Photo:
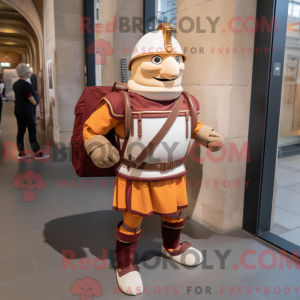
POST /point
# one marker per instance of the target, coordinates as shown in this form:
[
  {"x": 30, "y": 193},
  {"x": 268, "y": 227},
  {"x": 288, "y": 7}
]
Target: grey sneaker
[{"x": 40, "y": 155}]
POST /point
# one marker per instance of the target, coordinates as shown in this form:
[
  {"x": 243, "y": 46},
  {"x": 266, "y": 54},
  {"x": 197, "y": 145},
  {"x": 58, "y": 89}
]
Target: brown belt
[{"x": 164, "y": 166}]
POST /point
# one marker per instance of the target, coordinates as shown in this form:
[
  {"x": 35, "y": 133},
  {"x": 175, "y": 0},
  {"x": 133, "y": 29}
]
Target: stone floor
[
  {"x": 75, "y": 220},
  {"x": 286, "y": 221}
]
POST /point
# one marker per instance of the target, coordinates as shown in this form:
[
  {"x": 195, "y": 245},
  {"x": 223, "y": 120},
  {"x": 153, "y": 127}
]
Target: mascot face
[
  {"x": 157, "y": 74},
  {"x": 163, "y": 71}
]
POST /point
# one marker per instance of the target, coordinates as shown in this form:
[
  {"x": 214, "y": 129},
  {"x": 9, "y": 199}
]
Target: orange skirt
[{"x": 147, "y": 198}]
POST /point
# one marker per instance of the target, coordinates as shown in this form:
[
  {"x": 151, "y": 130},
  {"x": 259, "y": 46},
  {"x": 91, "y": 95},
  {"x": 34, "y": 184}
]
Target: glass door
[
  {"x": 272, "y": 201},
  {"x": 285, "y": 219}
]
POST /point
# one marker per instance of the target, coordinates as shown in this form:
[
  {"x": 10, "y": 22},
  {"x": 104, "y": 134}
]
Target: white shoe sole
[
  {"x": 191, "y": 257},
  {"x": 130, "y": 283},
  {"x": 41, "y": 158},
  {"x": 27, "y": 156}
]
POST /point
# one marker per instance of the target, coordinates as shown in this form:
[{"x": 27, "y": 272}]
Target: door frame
[
  {"x": 89, "y": 38},
  {"x": 264, "y": 122}
]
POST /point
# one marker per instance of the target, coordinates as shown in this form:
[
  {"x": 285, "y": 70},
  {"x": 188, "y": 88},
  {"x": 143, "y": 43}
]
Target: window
[
  {"x": 5, "y": 64},
  {"x": 294, "y": 9},
  {"x": 166, "y": 12}
]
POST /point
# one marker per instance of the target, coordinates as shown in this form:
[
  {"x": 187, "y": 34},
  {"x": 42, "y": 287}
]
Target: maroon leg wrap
[
  {"x": 126, "y": 247},
  {"x": 171, "y": 233}
]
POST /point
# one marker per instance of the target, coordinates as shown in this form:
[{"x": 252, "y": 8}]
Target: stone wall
[
  {"x": 219, "y": 75},
  {"x": 64, "y": 44},
  {"x": 50, "y": 101}
]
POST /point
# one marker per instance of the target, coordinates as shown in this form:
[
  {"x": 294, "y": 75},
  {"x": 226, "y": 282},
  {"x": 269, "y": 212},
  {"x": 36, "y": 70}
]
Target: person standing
[
  {"x": 2, "y": 89},
  {"x": 24, "y": 111}
]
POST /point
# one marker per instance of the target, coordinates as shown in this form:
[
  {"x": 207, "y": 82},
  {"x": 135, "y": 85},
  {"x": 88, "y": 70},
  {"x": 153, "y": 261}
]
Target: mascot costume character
[{"x": 150, "y": 165}]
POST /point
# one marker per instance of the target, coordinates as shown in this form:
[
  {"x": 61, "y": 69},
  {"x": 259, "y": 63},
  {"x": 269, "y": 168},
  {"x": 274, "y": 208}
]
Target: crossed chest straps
[{"x": 128, "y": 127}]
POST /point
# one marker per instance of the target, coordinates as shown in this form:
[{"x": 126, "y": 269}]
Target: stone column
[
  {"x": 218, "y": 73},
  {"x": 64, "y": 44}
]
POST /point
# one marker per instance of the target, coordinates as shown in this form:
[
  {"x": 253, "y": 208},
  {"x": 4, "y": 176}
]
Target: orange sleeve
[
  {"x": 99, "y": 123},
  {"x": 198, "y": 127}
]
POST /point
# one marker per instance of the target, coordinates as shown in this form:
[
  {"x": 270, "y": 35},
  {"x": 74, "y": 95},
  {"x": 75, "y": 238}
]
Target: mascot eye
[
  {"x": 82, "y": 288},
  {"x": 33, "y": 181},
  {"x": 103, "y": 49},
  {"x": 90, "y": 288},
  {"x": 177, "y": 58},
  {"x": 157, "y": 60},
  {"x": 25, "y": 181}
]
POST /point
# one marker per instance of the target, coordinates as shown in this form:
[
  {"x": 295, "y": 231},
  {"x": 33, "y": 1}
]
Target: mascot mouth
[{"x": 164, "y": 79}]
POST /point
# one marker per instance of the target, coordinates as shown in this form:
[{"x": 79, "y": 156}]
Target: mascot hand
[
  {"x": 210, "y": 138},
  {"x": 101, "y": 151}
]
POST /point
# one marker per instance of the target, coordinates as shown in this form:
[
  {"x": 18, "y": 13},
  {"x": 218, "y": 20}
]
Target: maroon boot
[
  {"x": 128, "y": 273},
  {"x": 182, "y": 253}
]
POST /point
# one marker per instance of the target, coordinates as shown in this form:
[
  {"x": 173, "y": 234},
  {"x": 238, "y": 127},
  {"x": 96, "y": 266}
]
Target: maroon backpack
[{"x": 85, "y": 107}]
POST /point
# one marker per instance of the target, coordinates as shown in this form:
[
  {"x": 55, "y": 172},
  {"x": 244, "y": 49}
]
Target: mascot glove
[
  {"x": 210, "y": 138},
  {"x": 101, "y": 151}
]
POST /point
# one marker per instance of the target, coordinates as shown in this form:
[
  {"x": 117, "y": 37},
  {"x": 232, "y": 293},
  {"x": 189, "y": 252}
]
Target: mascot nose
[{"x": 170, "y": 68}]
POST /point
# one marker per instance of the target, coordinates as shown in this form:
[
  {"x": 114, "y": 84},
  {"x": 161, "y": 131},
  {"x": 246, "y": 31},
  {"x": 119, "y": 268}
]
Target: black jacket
[{"x": 33, "y": 80}]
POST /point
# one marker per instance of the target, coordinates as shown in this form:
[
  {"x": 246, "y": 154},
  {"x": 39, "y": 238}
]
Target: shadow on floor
[{"x": 96, "y": 231}]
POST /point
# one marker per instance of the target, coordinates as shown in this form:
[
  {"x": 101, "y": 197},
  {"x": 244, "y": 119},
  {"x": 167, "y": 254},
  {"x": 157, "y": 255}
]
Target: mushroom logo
[
  {"x": 100, "y": 48},
  {"x": 86, "y": 288},
  {"x": 29, "y": 182}
]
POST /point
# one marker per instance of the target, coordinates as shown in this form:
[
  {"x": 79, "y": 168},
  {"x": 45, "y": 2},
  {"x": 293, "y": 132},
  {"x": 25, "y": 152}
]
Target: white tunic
[{"x": 173, "y": 146}]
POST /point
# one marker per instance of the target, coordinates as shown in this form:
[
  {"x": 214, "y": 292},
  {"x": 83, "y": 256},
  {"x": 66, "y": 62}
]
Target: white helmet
[{"x": 158, "y": 42}]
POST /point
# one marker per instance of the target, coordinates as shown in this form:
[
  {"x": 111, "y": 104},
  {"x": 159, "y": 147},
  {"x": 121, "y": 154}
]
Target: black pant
[
  {"x": 0, "y": 107},
  {"x": 26, "y": 119}
]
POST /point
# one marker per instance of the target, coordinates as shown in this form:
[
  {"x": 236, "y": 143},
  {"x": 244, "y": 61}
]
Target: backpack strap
[
  {"x": 193, "y": 112},
  {"x": 127, "y": 114},
  {"x": 118, "y": 86},
  {"x": 122, "y": 88}
]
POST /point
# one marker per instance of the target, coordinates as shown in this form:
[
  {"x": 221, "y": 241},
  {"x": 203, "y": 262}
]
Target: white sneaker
[
  {"x": 130, "y": 283},
  {"x": 186, "y": 255},
  {"x": 0, "y": 131},
  {"x": 23, "y": 154}
]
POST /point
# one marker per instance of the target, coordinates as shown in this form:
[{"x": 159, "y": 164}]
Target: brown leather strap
[
  {"x": 139, "y": 125},
  {"x": 118, "y": 86},
  {"x": 164, "y": 166},
  {"x": 122, "y": 88},
  {"x": 193, "y": 112},
  {"x": 128, "y": 269},
  {"x": 122, "y": 151},
  {"x": 130, "y": 229},
  {"x": 178, "y": 251},
  {"x": 179, "y": 216},
  {"x": 127, "y": 115},
  {"x": 182, "y": 214},
  {"x": 162, "y": 132},
  {"x": 187, "y": 118}
]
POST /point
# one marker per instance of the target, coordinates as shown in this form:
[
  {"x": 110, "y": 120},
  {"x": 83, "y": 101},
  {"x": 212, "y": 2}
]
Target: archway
[{"x": 23, "y": 16}]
